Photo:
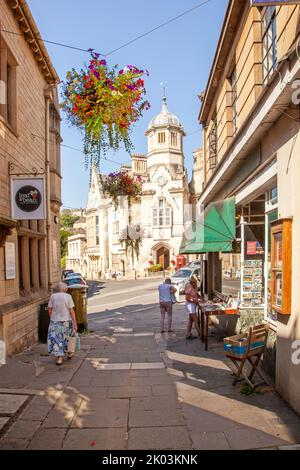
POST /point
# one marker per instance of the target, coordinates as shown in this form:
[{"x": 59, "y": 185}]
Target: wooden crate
[{"x": 236, "y": 346}]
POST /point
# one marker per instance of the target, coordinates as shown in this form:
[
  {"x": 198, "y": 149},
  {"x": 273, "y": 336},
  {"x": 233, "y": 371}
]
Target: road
[{"x": 231, "y": 286}]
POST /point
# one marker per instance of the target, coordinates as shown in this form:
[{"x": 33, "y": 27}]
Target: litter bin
[
  {"x": 79, "y": 296},
  {"x": 44, "y": 321}
]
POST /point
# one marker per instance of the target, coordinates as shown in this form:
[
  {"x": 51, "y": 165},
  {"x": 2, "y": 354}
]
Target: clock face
[{"x": 161, "y": 179}]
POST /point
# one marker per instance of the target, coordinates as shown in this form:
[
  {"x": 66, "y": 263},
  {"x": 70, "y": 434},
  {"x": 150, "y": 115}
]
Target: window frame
[
  {"x": 8, "y": 79},
  {"x": 234, "y": 97},
  {"x": 161, "y": 137},
  {"x": 269, "y": 46},
  {"x": 213, "y": 145},
  {"x": 284, "y": 228},
  {"x": 162, "y": 215}
]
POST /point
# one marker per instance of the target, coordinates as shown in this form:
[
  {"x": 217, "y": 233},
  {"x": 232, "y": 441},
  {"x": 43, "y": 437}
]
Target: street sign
[{"x": 28, "y": 198}]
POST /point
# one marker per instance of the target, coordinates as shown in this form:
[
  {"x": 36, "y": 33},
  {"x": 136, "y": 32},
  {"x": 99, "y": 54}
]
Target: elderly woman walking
[{"x": 62, "y": 323}]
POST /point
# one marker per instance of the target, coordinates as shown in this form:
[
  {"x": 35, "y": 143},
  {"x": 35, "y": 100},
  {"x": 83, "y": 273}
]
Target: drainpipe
[{"x": 47, "y": 95}]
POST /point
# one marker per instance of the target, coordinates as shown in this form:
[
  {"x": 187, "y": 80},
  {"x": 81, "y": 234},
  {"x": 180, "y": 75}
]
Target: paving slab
[
  {"x": 95, "y": 439},
  {"x": 23, "y": 430},
  {"x": 13, "y": 444},
  {"x": 10, "y": 404},
  {"x": 37, "y": 409},
  {"x": 3, "y": 423},
  {"x": 159, "y": 438},
  {"x": 109, "y": 413},
  {"x": 249, "y": 438},
  {"x": 155, "y": 412},
  {"x": 47, "y": 439},
  {"x": 210, "y": 441},
  {"x": 129, "y": 391}
]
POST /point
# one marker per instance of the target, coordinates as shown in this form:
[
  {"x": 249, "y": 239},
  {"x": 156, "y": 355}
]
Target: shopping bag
[
  {"x": 72, "y": 340},
  {"x": 77, "y": 349}
]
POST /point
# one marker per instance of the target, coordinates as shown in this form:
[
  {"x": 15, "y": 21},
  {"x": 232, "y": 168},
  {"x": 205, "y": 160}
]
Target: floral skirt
[{"x": 58, "y": 333}]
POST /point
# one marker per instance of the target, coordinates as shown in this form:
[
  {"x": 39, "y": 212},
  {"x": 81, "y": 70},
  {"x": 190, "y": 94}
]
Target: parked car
[
  {"x": 71, "y": 276},
  {"x": 75, "y": 280},
  {"x": 194, "y": 264},
  {"x": 182, "y": 277}
]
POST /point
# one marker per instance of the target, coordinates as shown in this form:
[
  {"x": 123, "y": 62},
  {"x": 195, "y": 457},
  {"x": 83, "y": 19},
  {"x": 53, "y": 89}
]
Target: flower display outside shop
[
  {"x": 122, "y": 184},
  {"x": 132, "y": 236},
  {"x": 104, "y": 103}
]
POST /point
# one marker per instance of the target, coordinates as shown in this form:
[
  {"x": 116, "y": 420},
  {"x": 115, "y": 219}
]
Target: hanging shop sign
[
  {"x": 28, "y": 198},
  {"x": 10, "y": 261},
  {"x": 267, "y": 3}
]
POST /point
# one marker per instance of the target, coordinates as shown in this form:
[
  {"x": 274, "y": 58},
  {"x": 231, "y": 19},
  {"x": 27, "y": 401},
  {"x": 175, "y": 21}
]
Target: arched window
[{"x": 162, "y": 215}]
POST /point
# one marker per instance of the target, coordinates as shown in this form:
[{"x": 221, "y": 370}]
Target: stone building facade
[
  {"x": 250, "y": 119},
  {"x": 160, "y": 210},
  {"x": 29, "y": 144}
]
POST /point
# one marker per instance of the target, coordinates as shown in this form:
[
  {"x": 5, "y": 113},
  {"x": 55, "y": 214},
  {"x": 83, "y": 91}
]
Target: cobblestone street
[{"x": 132, "y": 387}]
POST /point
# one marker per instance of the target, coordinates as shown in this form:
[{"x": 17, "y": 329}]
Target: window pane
[
  {"x": 278, "y": 290},
  {"x": 278, "y": 250}
]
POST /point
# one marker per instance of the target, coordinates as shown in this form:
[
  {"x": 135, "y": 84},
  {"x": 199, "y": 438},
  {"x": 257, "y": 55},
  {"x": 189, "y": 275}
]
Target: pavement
[{"x": 131, "y": 387}]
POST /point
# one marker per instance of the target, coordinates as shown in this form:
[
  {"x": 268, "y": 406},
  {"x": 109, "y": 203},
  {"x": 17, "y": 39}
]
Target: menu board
[{"x": 253, "y": 283}]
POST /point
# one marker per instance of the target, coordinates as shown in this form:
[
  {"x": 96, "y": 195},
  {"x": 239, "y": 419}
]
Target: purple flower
[
  {"x": 91, "y": 49},
  {"x": 102, "y": 62}
]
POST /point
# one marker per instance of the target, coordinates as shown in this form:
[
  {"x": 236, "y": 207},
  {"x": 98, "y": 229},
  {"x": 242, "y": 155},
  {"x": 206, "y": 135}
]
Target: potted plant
[
  {"x": 122, "y": 184},
  {"x": 104, "y": 103}
]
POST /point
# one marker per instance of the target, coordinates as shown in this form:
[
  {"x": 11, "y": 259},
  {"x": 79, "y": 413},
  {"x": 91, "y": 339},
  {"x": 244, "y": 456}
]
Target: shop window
[
  {"x": 8, "y": 90},
  {"x": 281, "y": 266},
  {"x": 269, "y": 42}
]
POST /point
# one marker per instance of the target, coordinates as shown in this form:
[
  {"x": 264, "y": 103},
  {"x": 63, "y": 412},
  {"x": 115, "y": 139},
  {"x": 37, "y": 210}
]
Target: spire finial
[{"x": 164, "y": 99}]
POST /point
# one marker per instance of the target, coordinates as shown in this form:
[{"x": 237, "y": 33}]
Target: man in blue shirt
[{"x": 166, "y": 290}]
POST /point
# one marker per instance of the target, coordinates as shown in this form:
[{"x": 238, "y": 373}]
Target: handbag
[{"x": 73, "y": 343}]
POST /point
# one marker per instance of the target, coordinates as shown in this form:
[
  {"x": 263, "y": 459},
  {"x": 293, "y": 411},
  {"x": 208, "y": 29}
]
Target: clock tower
[{"x": 165, "y": 146}]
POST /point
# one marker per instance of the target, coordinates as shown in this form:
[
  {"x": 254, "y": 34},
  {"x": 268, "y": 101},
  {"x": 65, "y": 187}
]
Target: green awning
[{"x": 214, "y": 231}]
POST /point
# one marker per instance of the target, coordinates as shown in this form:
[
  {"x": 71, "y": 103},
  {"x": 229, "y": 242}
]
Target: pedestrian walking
[
  {"x": 192, "y": 299},
  {"x": 166, "y": 293},
  {"x": 62, "y": 323}
]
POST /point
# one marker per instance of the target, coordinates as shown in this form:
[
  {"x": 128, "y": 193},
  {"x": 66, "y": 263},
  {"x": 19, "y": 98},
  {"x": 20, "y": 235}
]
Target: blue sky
[{"x": 180, "y": 54}]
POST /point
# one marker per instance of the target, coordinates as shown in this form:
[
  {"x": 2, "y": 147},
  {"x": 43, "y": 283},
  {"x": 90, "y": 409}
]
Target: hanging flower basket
[
  {"x": 104, "y": 103},
  {"x": 132, "y": 237},
  {"x": 122, "y": 184}
]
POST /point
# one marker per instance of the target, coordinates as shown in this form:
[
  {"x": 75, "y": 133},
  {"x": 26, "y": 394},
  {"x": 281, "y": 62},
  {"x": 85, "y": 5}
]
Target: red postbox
[{"x": 180, "y": 261}]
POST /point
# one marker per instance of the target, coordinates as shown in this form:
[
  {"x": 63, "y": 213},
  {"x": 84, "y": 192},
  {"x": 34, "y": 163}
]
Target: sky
[{"x": 179, "y": 54}]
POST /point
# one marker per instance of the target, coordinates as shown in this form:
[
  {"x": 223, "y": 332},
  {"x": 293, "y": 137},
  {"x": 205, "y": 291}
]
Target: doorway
[{"x": 163, "y": 257}]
